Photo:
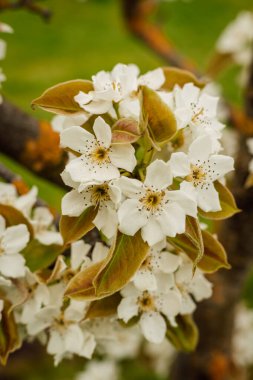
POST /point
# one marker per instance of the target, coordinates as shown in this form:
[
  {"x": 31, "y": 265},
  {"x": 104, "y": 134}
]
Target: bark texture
[{"x": 32, "y": 143}]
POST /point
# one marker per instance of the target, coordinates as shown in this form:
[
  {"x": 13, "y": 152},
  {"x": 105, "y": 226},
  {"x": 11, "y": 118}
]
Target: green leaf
[
  {"x": 111, "y": 274},
  {"x": 175, "y": 76},
  {"x": 227, "y": 202},
  {"x": 215, "y": 256},
  {"x": 9, "y": 337},
  {"x": 39, "y": 256},
  {"x": 74, "y": 228},
  {"x": 104, "y": 307},
  {"x": 13, "y": 217},
  {"x": 184, "y": 336},
  {"x": 190, "y": 242},
  {"x": 125, "y": 131},
  {"x": 81, "y": 286},
  {"x": 60, "y": 98},
  {"x": 125, "y": 259},
  {"x": 162, "y": 123}
]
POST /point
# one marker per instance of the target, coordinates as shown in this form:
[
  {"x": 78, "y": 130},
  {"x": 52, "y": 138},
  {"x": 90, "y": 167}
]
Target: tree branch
[
  {"x": 32, "y": 143},
  {"x": 136, "y": 14},
  {"x": 30, "y": 5}
]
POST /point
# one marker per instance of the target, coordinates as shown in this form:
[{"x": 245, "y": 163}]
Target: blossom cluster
[
  {"x": 4, "y": 28},
  {"x": 236, "y": 42},
  {"x": 144, "y": 162}
]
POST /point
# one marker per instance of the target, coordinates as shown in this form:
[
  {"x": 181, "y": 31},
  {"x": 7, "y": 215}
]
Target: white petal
[
  {"x": 153, "y": 79},
  {"x": 131, "y": 188},
  {"x": 27, "y": 201},
  {"x": 73, "y": 339},
  {"x": 106, "y": 221},
  {"x": 74, "y": 203},
  {"x": 103, "y": 132},
  {"x": 49, "y": 237},
  {"x": 98, "y": 107},
  {"x": 123, "y": 156},
  {"x": 221, "y": 164},
  {"x": 159, "y": 175},
  {"x": 2, "y": 225},
  {"x": 12, "y": 265},
  {"x": 76, "y": 138},
  {"x": 208, "y": 199},
  {"x": 127, "y": 309},
  {"x": 200, "y": 149},
  {"x": 79, "y": 251},
  {"x": 130, "y": 218},
  {"x": 187, "y": 202},
  {"x": 167, "y": 262},
  {"x": 82, "y": 98},
  {"x": 15, "y": 239},
  {"x": 144, "y": 279},
  {"x": 153, "y": 327},
  {"x": 169, "y": 304},
  {"x": 99, "y": 252},
  {"x": 83, "y": 170},
  {"x": 172, "y": 220},
  {"x": 180, "y": 164},
  {"x": 89, "y": 345},
  {"x": 152, "y": 232}
]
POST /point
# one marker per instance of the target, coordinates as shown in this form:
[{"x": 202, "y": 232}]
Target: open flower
[
  {"x": 12, "y": 241},
  {"x": 24, "y": 203},
  {"x": 68, "y": 336},
  {"x": 103, "y": 195},
  {"x": 99, "y": 160},
  {"x": 201, "y": 168},
  {"x": 154, "y": 209},
  {"x": 197, "y": 110},
  {"x": 192, "y": 287},
  {"x": 158, "y": 261},
  {"x": 119, "y": 85},
  {"x": 42, "y": 222},
  {"x": 150, "y": 306}
]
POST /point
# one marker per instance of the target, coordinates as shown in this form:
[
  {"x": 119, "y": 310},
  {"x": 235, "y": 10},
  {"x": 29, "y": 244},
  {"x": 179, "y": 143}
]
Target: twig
[{"x": 30, "y": 5}]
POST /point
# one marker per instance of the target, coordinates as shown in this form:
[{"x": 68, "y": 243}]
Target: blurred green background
[{"x": 82, "y": 38}]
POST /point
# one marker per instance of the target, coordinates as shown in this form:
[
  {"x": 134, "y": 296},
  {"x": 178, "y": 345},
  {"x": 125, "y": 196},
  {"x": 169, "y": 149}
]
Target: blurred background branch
[{"x": 30, "y": 5}]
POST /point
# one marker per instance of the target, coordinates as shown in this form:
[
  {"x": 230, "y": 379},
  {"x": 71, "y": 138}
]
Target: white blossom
[
  {"x": 12, "y": 241},
  {"x": 118, "y": 86},
  {"x": 201, "y": 168},
  {"x": 158, "y": 261},
  {"x": 151, "y": 307},
  {"x": 99, "y": 370},
  {"x": 100, "y": 159},
  {"x": 42, "y": 222},
  {"x": 151, "y": 207},
  {"x": 197, "y": 110},
  {"x": 192, "y": 287},
  {"x": 105, "y": 196}
]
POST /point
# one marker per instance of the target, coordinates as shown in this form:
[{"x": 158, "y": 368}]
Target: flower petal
[
  {"x": 12, "y": 265},
  {"x": 76, "y": 138},
  {"x": 130, "y": 218},
  {"x": 153, "y": 327},
  {"x": 144, "y": 279},
  {"x": 103, "y": 132},
  {"x": 74, "y": 203},
  {"x": 208, "y": 199},
  {"x": 15, "y": 239},
  {"x": 180, "y": 164},
  {"x": 152, "y": 232},
  {"x": 123, "y": 156},
  {"x": 159, "y": 175},
  {"x": 128, "y": 308}
]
